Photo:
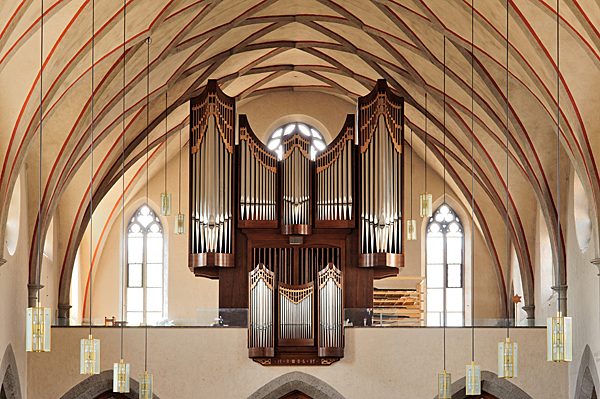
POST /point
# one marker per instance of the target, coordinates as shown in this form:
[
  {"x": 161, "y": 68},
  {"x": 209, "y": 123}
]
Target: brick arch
[
  {"x": 296, "y": 381},
  {"x": 491, "y": 385}
]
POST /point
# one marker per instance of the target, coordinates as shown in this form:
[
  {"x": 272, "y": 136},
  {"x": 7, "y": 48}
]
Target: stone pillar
[
  {"x": 530, "y": 310},
  {"x": 596, "y": 262},
  {"x": 63, "y": 314},
  {"x": 561, "y": 291},
  {"x": 33, "y": 291}
]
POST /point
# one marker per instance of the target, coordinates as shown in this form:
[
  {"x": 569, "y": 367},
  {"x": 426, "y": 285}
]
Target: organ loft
[{"x": 293, "y": 232}]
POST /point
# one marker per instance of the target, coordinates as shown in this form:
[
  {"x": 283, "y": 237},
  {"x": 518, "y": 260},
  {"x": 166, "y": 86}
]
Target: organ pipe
[
  {"x": 381, "y": 137},
  {"x": 212, "y": 147}
]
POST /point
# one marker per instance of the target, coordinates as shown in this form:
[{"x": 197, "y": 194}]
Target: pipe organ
[
  {"x": 258, "y": 180},
  {"x": 296, "y": 168},
  {"x": 295, "y": 232},
  {"x": 331, "y": 323},
  {"x": 334, "y": 170},
  {"x": 260, "y": 330},
  {"x": 212, "y": 145},
  {"x": 381, "y": 135}
]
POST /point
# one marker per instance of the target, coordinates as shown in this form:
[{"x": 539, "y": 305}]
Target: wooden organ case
[{"x": 293, "y": 235}]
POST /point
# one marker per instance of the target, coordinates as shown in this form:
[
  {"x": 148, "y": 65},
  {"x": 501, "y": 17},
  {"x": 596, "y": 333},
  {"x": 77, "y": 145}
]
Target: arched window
[
  {"x": 445, "y": 248},
  {"x": 316, "y": 139},
  {"x": 145, "y": 268}
]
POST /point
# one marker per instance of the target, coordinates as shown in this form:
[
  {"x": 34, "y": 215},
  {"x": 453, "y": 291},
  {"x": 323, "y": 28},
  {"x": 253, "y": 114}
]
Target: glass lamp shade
[
  {"x": 411, "y": 229},
  {"x": 121, "y": 377},
  {"x": 560, "y": 339},
  {"x": 38, "y": 329},
  {"x": 444, "y": 385},
  {"x": 473, "y": 379},
  {"x": 425, "y": 205},
  {"x": 165, "y": 204},
  {"x": 146, "y": 386},
  {"x": 180, "y": 224},
  {"x": 90, "y": 356},
  {"x": 507, "y": 359}
]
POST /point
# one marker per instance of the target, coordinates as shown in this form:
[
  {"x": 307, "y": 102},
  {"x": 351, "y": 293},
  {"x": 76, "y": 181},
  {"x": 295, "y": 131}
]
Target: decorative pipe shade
[
  {"x": 444, "y": 385},
  {"x": 90, "y": 356},
  {"x": 121, "y": 377},
  {"x": 411, "y": 229},
  {"x": 146, "y": 386},
  {"x": 507, "y": 359},
  {"x": 560, "y": 339},
  {"x": 38, "y": 329},
  {"x": 180, "y": 224},
  {"x": 473, "y": 379},
  {"x": 426, "y": 207},
  {"x": 165, "y": 204}
]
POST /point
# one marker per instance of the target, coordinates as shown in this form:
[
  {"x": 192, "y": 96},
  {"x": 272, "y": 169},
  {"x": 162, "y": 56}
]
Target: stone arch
[
  {"x": 10, "y": 385},
  {"x": 99, "y": 384},
  {"x": 501, "y": 388},
  {"x": 587, "y": 377},
  {"x": 296, "y": 381}
]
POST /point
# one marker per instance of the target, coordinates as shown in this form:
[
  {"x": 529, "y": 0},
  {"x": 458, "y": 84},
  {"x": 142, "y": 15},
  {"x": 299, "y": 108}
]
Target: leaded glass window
[
  {"x": 275, "y": 142},
  {"x": 445, "y": 253},
  {"x": 145, "y": 268}
]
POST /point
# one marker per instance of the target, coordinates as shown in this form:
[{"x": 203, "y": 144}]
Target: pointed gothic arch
[
  {"x": 97, "y": 385},
  {"x": 498, "y": 388},
  {"x": 296, "y": 381},
  {"x": 10, "y": 386},
  {"x": 587, "y": 384}
]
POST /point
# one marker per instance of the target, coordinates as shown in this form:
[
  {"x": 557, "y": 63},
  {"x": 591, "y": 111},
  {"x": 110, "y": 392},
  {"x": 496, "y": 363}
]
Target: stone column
[
  {"x": 561, "y": 291},
  {"x": 596, "y": 262},
  {"x": 63, "y": 314},
  {"x": 33, "y": 291},
  {"x": 530, "y": 310}
]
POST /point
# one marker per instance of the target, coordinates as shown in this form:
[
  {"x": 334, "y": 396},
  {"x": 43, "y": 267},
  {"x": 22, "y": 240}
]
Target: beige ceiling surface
[{"x": 336, "y": 47}]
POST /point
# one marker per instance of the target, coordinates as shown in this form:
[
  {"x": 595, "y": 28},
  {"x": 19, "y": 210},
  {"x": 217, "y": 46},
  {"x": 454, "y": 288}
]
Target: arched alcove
[
  {"x": 296, "y": 381},
  {"x": 587, "y": 377},
  {"x": 492, "y": 386},
  {"x": 13, "y": 218},
  {"x": 10, "y": 387},
  {"x": 96, "y": 386},
  {"x": 581, "y": 210}
]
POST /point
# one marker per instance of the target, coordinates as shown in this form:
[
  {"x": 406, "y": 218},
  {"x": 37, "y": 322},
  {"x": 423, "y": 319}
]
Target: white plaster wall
[
  {"x": 583, "y": 301},
  {"x": 13, "y": 294},
  {"x": 186, "y": 293},
  {"x": 379, "y": 363}
]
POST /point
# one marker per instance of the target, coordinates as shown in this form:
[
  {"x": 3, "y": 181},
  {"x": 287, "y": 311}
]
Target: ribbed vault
[{"x": 339, "y": 47}]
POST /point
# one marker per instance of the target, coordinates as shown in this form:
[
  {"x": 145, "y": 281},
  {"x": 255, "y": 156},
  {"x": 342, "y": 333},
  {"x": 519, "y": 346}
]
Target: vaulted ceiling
[{"x": 337, "y": 47}]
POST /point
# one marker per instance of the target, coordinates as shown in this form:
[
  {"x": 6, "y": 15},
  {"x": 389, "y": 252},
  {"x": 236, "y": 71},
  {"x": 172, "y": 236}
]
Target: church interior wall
[{"x": 379, "y": 363}]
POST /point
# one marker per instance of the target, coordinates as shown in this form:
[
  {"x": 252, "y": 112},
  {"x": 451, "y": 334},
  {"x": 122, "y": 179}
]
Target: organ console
[{"x": 296, "y": 234}]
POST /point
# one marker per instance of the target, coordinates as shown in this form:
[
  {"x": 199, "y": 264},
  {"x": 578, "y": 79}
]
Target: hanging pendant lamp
[
  {"x": 180, "y": 217},
  {"x": 411, "y": 224},
  {"x": 559, "y": 328},
  {"x": 89, "y": 362},
  {"x": 473, "y": 374},
  {"x": 121, "y": 369},
  {"x": 508, "y": 350},
  {"x": 165, "y": 198},
  {"x": 146, "y": 380},
  {"x": 445, "y": 379},
  {"x": 425, "y": 199},
  {"x": 38, "y": 317}
]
